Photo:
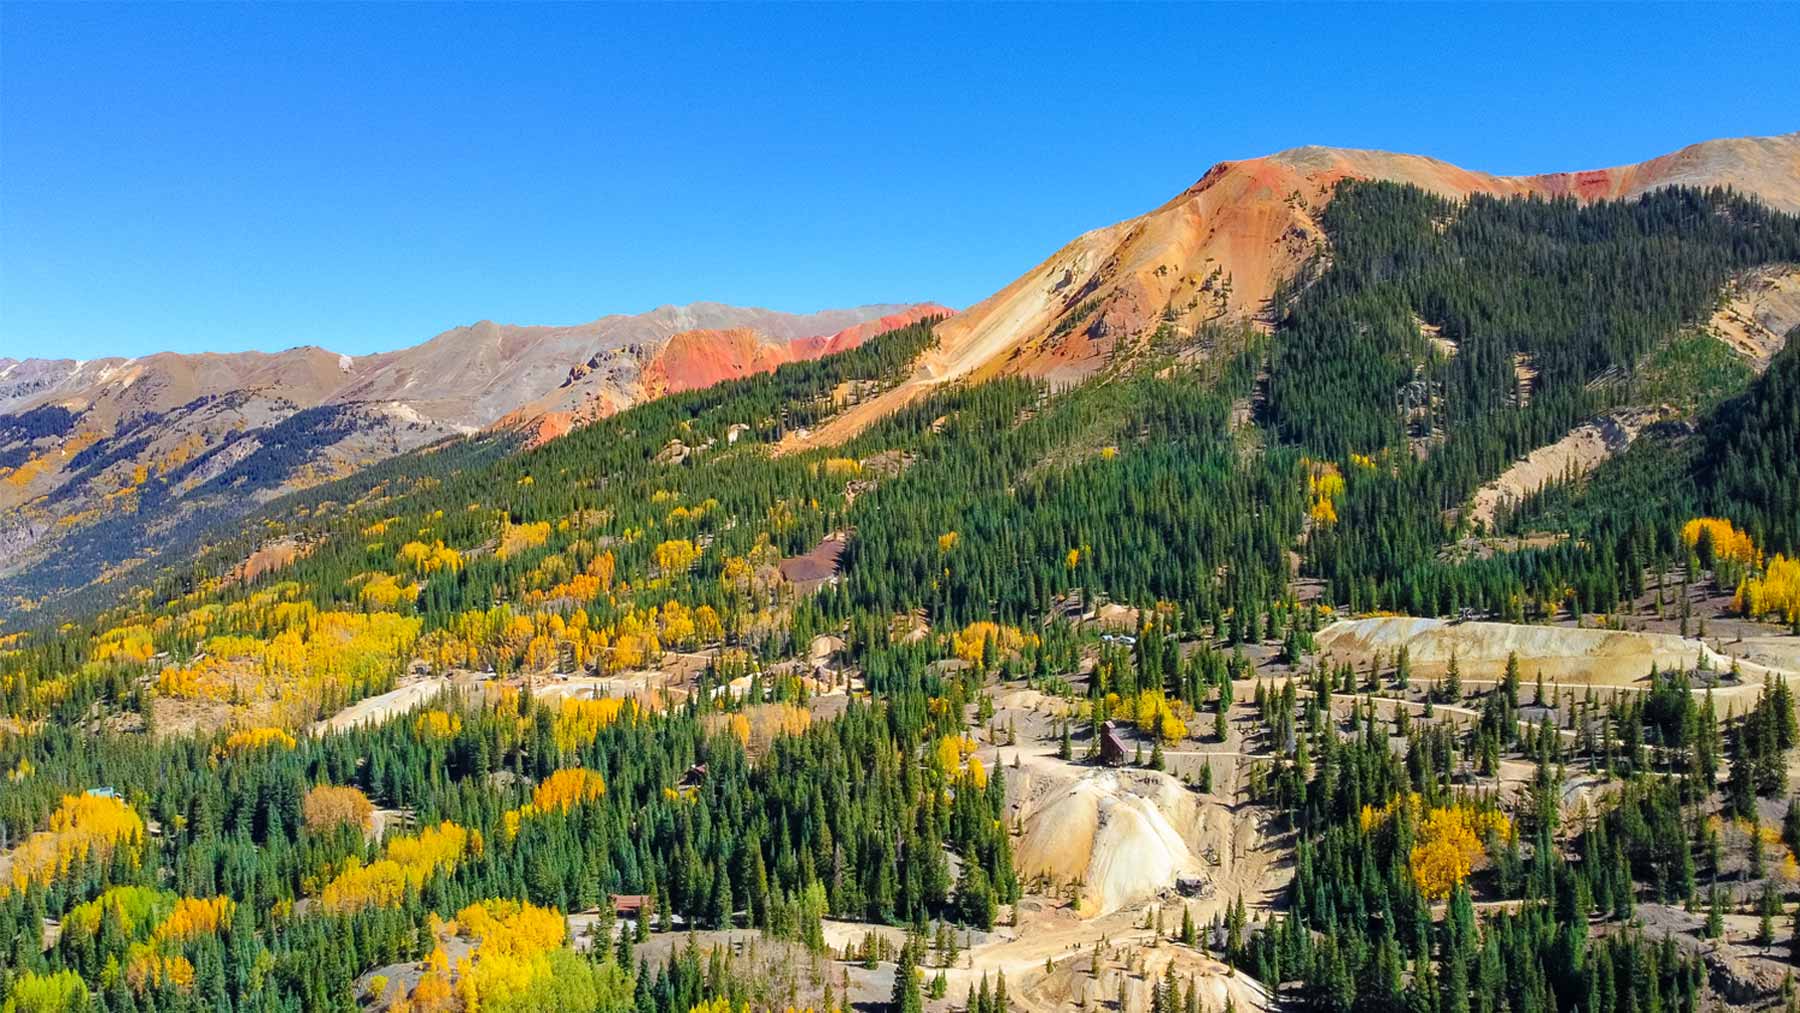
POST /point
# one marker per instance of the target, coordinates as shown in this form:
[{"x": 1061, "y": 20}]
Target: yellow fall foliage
[
  {"x": 145, "y": 969},
  {"x": 1774, "y": 593},
  {"x": 578, "y": 721},
  {"x": 125, "y": 643},
  {"x": 426, "y": 559},
  {"x": 517, "y": 538},
  {"x": 514, "y": 965},
  {"x": 675, "y": 556},
  {"x": 971, "y": 641},
  {"x": 512, "y": 928},
  {"x": 1448, "y": 840},
  {"x": 567, "y": 788},
  {"x": 406, "y": 865},
  {"x": 951, "y": 751},
  {"x": 261, "y": 737},
  {"x": 135, "y": 909},
  {"x": 314, "y": 657},
  {"x": 1155, "y": 716},
  {"x": 329, "y": 805},
  {"x": 90, "y": 826},
  {"x": 384, "y": 592},
  {"x": 437, "y": 724},
  {"x": 1728, "y": 542},
  {"x": 1324, "y": 484},
  {"x": 194, "y": 917}
]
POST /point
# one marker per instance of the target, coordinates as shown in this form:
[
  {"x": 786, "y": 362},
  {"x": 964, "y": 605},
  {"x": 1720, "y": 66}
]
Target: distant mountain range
[{"x": 125, "y": 450}]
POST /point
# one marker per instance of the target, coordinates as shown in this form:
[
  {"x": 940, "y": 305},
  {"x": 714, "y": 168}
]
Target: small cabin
[
  {"x": 630, "y": 905},
  {"x": 693, "y": 776}
]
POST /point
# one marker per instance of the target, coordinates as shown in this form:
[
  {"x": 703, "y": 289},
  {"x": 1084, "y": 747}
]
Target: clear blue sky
[{"x": 225, "y": 177}]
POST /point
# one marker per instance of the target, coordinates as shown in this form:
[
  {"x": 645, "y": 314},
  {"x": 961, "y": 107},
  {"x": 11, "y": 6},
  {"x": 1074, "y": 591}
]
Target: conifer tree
[{"x": 906, "y": 998}]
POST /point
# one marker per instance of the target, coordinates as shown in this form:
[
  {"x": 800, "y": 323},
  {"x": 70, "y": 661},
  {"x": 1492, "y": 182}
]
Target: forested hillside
[{"x": 823, "y": 723}]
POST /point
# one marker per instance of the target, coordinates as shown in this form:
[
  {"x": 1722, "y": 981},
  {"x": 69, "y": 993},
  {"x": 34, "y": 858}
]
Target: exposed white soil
[
  {"x": 1122, "y": 833},
  {"x": 1561, "y": 653},
  {"x": 1581, "y": 451},
  {"x": 376, "y": 709},
  {"x": 1760, "y": 308}
]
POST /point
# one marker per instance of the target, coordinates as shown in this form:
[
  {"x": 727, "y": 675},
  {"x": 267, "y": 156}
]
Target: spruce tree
[{"x": 906, "y": 998}]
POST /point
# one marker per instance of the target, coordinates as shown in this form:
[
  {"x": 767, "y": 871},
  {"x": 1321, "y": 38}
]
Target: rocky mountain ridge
[{"x": 148, "y": 440}]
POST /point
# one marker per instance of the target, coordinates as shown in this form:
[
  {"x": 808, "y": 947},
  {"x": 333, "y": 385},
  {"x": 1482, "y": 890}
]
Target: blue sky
[{"x": 194, "y": 177}]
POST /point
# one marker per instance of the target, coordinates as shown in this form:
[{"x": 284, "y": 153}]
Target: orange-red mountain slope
[
  {"x": 690, "y": 360},
  {"x": 1219, "y": 249},
  {"x": 695, "y": 359}
]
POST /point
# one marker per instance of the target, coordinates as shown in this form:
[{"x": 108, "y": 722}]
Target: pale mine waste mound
[
  {"x": 1127, "y": 835},
  {"x": 1071, "y": 986},
  {"x": 1560, "y": 653}
]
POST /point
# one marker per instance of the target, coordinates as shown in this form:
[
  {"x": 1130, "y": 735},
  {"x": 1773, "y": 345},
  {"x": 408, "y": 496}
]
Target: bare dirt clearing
[
  {"x": 1760, "y": 308},
  {"x": 376, "y": 709},
  {"x": 1581, "y": 451}
]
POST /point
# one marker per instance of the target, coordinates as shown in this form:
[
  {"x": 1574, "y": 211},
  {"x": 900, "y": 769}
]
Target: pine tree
[
  {"x": 720, "y": 908},
  {"x": 1767, "y": 909},
  {"x": 1756, "y": 847},
  {"x": 906, "y": 998}
]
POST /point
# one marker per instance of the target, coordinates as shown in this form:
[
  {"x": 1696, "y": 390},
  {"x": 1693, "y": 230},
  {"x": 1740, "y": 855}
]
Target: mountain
[
  {"x": 1219, "y": 250},
  {"x": 137, "y": 447},
  {"x": 688, "y": 360},
  {"x": 475, "y": 375},
  {"x": 1188, "y": 603}
]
